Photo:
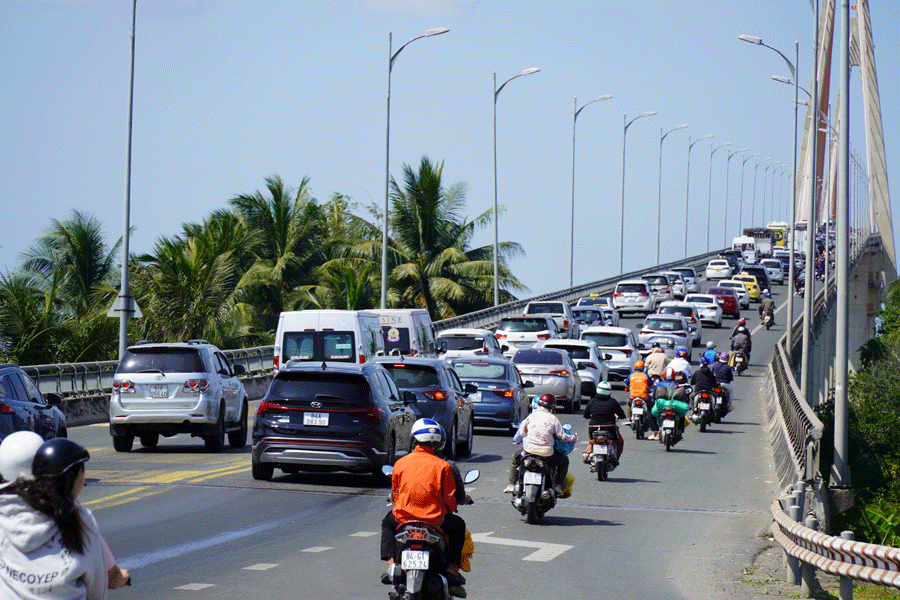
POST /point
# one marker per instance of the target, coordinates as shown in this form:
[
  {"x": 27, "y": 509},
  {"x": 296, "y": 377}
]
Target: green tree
[{"x": 29, "y": 323}]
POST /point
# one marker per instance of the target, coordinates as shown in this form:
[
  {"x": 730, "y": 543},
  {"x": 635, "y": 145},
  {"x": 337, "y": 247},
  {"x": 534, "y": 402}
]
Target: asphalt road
[{"x": 197, "y": 526}]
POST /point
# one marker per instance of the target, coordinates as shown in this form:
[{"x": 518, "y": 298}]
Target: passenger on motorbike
[
  {"x": 767, "y": 306},
  {"x": 680, "y": 363},
  {"x": 538, "y": 432},
  {"x": 723, "y": 374},
  {"x": 670, "y": 349},
  {"x": 424, "y": 489},
  {"x": 741, "y": 341},
  {"x": 703, "y": 380},
  {"x": 741, "y": 323},
  {"x": 638, "y": 385},
  {"x": 711, "y": 355},
  {"x": 670, "y": 394},
  {"x": 656, "y": 361},
  {"x": 603, "y": 412}
]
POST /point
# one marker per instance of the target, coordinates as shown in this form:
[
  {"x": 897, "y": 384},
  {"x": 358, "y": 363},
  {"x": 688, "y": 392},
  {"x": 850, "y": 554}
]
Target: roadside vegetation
[
  {"x": 874, "y": 434},
  {"x": 227, "y": 279}
]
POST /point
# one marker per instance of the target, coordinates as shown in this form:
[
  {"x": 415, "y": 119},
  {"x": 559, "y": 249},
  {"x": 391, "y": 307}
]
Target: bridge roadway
[{"x": 197, "y": 526}]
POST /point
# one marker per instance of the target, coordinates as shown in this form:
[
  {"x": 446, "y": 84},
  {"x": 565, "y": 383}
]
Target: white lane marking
[
  {"x": 364, "y": 534},
  {"x": 194, "y": 586},
  {"x": 317, "y": 549},
  {"x": 545, "y": 552},
  {"x": 260, "y": 567}
]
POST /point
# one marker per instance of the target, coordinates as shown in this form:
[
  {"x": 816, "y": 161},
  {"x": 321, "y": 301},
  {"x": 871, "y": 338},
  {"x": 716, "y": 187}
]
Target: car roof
[
  {"x": 606, "y": 329},
  {"x": 632, "y": 281},
  {"x": 465, "y": 331},
  {"x": 665, "y": 317},
  {"x": 493, "y": 360},
  {"x": 717, "y": 260},
  {"x": 297, "y": 366},
  {"x": 409, "y": 360},
  {"x": 553, "y": 343},
  {"x": 525, "y": 351},
  {"x": 725, "y": 290}
]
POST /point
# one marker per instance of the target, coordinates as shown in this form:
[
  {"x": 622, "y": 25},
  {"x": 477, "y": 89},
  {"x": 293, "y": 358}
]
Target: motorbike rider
[
  {"x": 670, "y": 394},
  {"x": 424, "y": 489},
  {"x": 656, "y": 361},
  {"x": 538, "y": 432},
  {"x": 680, "y": 363},
  {"x": 741, "y": 341},
  {"x": 702, "y": 380},
  {"x": 602, "y": 411},
  {"x": 741, "y": 323},
  {"x": 723, "y": 374},
  {"x": 711, "y": 355},
  {"x": 767, "y": 306},
  {"x": 638, "y": 385},
  {"x": 670, "y": 349}
]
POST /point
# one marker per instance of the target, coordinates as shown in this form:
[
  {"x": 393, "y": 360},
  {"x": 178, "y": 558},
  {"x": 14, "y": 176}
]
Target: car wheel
[
  {"x": 238, "y": 439},
  {"x": 466, "y": 448},
  {"x": 149, "y": 440},
  {"x": 262, "y": 471},
  {"x": 379, "y": 477},
  {"x": 450, "y": 450},
  {"x": 123, "y": 443},
  {"x": 216, "y": 441}
]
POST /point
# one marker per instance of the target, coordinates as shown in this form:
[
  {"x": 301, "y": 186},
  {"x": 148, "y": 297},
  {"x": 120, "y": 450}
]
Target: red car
[{"x": 728, "y": 300}]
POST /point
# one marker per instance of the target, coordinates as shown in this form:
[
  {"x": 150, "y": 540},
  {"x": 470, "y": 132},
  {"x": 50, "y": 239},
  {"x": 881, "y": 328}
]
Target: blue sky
[{"x": 228, "y": 93}]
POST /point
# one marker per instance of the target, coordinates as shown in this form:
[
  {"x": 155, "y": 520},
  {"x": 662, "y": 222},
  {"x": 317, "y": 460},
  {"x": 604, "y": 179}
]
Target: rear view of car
[
  {"x": 718, "y": 269},
  {"x": 728, "y": 300},
  {"x": 552, "y": 372},
  {"x": 661, "y": 286},
  {"x": 453, "y": 343},
  {"x": 523, "y": 332},
  {"x": 618, "y": 348},
  {"x": 689, "y": 278},
  {"x": 707, "y": 307},
  {"x": 634, "y": 295},
  {"x": 662, "y": 328},
  {"x": 502, "y": 399}
]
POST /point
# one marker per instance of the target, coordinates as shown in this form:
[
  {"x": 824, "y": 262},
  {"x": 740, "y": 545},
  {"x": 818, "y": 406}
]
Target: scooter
[
  {"x": 604, "y": 457},
  {"x": 720, "y": 404},
  {"x": 740, "y": 362},
  {"x": 640, "y": 417},
  {"x": 768, "y": 319},
  {"x": 421, "y": 558},
  {"x": 533, "y": 493},
  {"x": 705, "y": 411},
  {"x": 669, "y": 431}
]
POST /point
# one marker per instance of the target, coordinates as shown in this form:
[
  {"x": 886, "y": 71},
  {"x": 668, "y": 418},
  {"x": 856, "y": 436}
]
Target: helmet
[
  {"x": 547, "y": 401},
  {"x": 768, "y": 294},
  {"x": 670, "y": 344},
  {"x": 604, "y": 389},
  {"x": 723, "y": 357},
  {"x": 17, "y": 453},
  {"x": 638, "y": 364},
  {"x": 710, "y": 344},
  {"x": 680, "y": 377},
  {"x": 704, "y": 361},
  {"x": 669, "y": 374},
  {"x": 682, "y": 353},
  {"x": 741, "y": 322},
  {"x": 57, "y": 456},
  {"x": 428, "y": 431},
  {"x": 742, "y": 329},
  {"x": 655, "y": 345}
]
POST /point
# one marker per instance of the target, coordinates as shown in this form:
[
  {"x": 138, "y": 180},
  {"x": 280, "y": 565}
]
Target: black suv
[
  {"x": 331, "y": 417},
  {"x": 24, "y": 408}
]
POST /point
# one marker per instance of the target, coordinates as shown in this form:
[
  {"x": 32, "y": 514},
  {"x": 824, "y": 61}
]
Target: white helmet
[
  {"x": 710, "y": 344},
  {"x": 428, "y": 430},
  {"x": 604, "y": 388},
  {"x": 17, "y": 454}
]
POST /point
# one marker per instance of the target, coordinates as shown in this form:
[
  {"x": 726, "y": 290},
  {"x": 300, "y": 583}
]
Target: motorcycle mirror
[
  {"x": 387, "y": 470},
  {"x": 472, "y": 476}
]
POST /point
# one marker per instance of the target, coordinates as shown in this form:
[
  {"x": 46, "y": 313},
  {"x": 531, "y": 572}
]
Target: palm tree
[
  {"x": 29, "y": 323},
  {"x": 432, "y": 264}
]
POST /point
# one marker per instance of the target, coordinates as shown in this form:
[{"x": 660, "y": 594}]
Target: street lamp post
[
  {"x": 572, "y": 233},
  {"x": 765, "y": 173},
  {"x": 753, "y": 203},
  {"x": 622, "y": 214},
  {"x": 496, "y": 228},
  {"x": 659, "y": 192},
  {"x": 741, "y": 202},
  {"x": 387, "y": 157},
  {"x": 725, "y": 224},
  {"x": 687, "y": 191},
  {"x": 709, "y": 188}
]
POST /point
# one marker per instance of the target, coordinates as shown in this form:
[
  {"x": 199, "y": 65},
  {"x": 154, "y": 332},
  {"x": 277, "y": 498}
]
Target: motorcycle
[
  {"x": 533, "y": 493},
  {"x": 768, "y": 319},
  {"x": 604, "y": 457},
  {"x": 740, "y": 362},
  {"x": 669, "y": 432},
  {"x": 640, "y": 417},
  {"x": 421, "y": 558},
  {"x": 705, "y": 411},
  {"x": 720, "y": 405}
]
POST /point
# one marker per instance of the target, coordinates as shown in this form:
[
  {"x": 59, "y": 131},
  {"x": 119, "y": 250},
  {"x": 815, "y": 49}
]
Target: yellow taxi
[{"x": 751, "y": 284}]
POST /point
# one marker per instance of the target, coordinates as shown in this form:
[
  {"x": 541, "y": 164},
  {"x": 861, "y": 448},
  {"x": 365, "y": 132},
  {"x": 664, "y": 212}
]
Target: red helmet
[
  {"x": 548, "y": 401},
  {"x": 741, "y": 321},
  {"x": 669, "y": 374}
]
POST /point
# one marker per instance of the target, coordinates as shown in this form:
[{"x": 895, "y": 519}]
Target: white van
[
  {"x": 407, "y": 331},
  {"x": 746, "y": 245},
  {"x": 327, "y": 336}
]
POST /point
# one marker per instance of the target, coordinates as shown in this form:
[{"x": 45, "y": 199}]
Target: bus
[
  {"x": 765, "y": 239},
  {"x": 781, "y": 230}
]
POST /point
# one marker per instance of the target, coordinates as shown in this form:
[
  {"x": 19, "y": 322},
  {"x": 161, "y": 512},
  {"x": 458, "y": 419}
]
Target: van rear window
[
  {"x": 319, "y": 346},
  {"x": 395, "y": 338}
]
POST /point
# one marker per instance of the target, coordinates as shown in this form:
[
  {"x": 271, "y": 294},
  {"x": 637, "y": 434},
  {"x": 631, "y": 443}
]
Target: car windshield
[
  {"x": 719, "y": 263},
  {"x": 470, "y": 369},
  {"x": 166, "y": 360},
  {"x": 657, "y": 324},
  {"x": 721, "y": 291},
  {"x": 461, "y": 342},
  {"x": 686, "y": 273},
  {"x": 604, "y": 339},
  {"x": 544, "y": 309},
  {"x": 319, "y": 345},
  {"x": 522, "y": 325},
  {"x": 412, "y": 376},
  {"x": 535, "y": 357},
  {"x": 588, "y": 301},
  {"x": 657, "y": 279}
]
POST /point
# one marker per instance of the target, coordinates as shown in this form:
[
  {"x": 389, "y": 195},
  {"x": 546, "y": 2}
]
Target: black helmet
[
  {"x": 670, "y": 344},
  {"x": 57, "y": 456}
]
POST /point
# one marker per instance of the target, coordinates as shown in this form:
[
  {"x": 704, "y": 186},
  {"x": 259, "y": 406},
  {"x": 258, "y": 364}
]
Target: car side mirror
[
  {"x": 504, "y": 348},
  {"x": 239, "y": 370},
  {"x": 471, "y": 388},
  {"x": 409, "y": 397},
  {"x": 528, "y": 383},
  {"x": 53, "y": 399}
]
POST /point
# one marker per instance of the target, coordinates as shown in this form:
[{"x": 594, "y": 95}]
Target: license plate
[
  {"x": 476, "y": 397},
  {"x": 718, "y": 401},
  {"x": 669, "y": 423},
  {"x": 317, "y": 419},
  {"x": 414, "y": 559},
  {"x": 703, "y": 406},
  {"x": 637, "y": 411},
  {"x": 159, "y": 391},
  {"x": 533, "y": 478},
  {"x": 601, "y": 449}
]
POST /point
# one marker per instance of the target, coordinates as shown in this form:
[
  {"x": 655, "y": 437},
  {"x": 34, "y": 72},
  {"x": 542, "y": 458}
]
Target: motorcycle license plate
[
  {"x": 533, "y": 478},
  {"x": 703, "y": 406},
  {"x": 718, "y": 401},
  {"x": 414, "y": 559},
  {"x": 319, "y": 419},
  {"x": 598, "y": 449},
  {"x": 669, "y": 423},
  {"x": 637, "y": 411}
]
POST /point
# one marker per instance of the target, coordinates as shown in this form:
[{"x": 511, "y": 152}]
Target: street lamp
[
  {"x": 659, "y": 192},
  {"x": 622, "y": 214},
  {"x": 741, "y": 203},
  {"x": 725, "y": 224},
  {"x": 753, "y": 204},
  {"x": 572, "y": 235},
  {"x": 765, "y": 171},
  {"x": 687, "y": 192},
  {"x": 387, "y": 154},
  {"x": 496, "y": 228},
  {"x": 709, "y": 188}
]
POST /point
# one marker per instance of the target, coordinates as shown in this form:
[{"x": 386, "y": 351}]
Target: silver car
[
  {"x": 661, "y": 329},
  {"x": 689, "y": 277},
  {"x": 552, "y": 371},
  {"x": 773, "y": 270},
  {"x": 634, "y": 295},
  {"x": 590, "y": 364}
]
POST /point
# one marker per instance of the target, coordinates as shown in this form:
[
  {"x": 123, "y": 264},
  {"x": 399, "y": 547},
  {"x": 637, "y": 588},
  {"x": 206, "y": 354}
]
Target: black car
[
  {"x": 331, "y": 417},
  {"x": 24, "y": 408},
  {"x": 762, "y": 276}
]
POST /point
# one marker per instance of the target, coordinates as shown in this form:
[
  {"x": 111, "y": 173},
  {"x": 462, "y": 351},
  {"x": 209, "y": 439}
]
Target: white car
[
  {"x": 678, "y": 288},
  {"x": 618, "y": 348},
  {"x": 585, "y": 355},
  {"x": 689, "y": 277},
  {"x": 468, "y": 343},
  {"x": 690, "y": 314},
  {"x": 773, "y": 270},
  {"x": 708, "y": 308},
  {"x": 718, "y": 268},
  {"x": 524, "y": 331},
  {"x": 740, "y": 289},
  {"x": 603, "y": 302},
  {"x": 634, "y": 295}
]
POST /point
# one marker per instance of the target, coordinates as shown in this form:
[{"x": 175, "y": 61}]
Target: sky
[{"x": 229, "y": 93}]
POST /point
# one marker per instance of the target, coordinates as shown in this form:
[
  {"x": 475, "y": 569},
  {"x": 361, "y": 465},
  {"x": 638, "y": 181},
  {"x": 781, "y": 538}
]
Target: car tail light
[
  {"x": 196, "y": 386},
  {"x": 561, "y": 373},
  {"x": 362, "y": 358},
  {"x": 543, "y": 336},
  {"x": 122, "y": 386},
  {"x": 591, "y": 366},
  {"x": 644, "y": 294},
  {"x": 500, "y": 335},
  {"x": 6, "y": 410},
  {"x": 436, "y": 395},
  {"x": 504, "y": 392},
  {"x": 270, "y": 408},
  {"x": 565, "y": 323},
  {"x": 275, "y": 362}
]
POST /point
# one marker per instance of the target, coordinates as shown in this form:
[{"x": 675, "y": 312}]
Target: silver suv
[{"x": 165, "y": 389}]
